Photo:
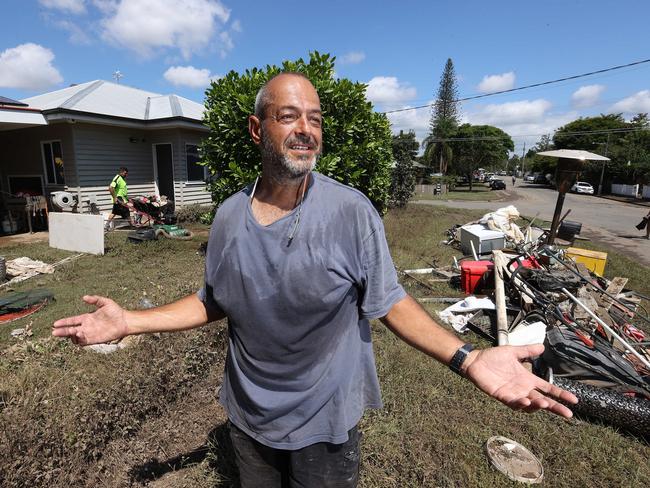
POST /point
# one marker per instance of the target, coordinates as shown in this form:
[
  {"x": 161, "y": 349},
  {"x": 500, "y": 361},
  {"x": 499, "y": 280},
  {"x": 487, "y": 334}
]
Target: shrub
[
  {"x": 193, "y": 213},
  {"x": 356, "y": 140}
]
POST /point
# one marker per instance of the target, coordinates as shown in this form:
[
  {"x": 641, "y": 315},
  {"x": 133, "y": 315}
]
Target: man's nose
[{"x": 302, "y": 125}]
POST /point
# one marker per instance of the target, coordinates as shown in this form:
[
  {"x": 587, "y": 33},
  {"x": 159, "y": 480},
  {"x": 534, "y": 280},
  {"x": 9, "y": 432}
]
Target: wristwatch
[{"x": 459, "y": 357}]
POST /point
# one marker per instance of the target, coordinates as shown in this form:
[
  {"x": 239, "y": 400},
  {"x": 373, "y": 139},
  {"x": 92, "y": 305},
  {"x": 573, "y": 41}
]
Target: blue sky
[{"x": 398, "y": 48}]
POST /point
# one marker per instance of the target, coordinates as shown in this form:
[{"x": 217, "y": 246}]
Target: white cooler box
[{"x": 484, "y": 240}]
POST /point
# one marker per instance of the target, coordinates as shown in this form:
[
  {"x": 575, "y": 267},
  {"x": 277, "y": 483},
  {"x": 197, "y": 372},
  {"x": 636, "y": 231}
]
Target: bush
[
  {"x": 356, "y": 140},
  {"x": 193, "y": 213}
]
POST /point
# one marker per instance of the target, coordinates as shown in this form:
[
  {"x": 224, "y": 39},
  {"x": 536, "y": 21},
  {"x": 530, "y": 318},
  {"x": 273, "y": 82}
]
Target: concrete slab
[{"x": 77, "y": 232}]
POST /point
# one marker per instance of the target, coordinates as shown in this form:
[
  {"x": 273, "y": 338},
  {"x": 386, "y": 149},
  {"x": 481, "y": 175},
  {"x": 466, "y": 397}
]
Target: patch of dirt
[
  {"x": 166, "y": 451},
  {"x": 26, "y": 238}
]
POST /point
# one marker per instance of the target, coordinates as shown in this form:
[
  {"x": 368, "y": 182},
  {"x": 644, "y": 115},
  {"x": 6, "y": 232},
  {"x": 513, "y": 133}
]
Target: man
[
  {"x": 119, "y": 192},
  {"x": 514, "y": 179},
  {"x": 299, "y": 264}
]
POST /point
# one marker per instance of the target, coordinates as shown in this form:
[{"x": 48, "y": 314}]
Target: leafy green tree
[
  {"x": 405, "y": 148},
  {"x": 444, "y": 121},
  {"x": 481, "y": 146},
  {"x": 356, "y": 140},
  {"x": 595, "y": 134}
]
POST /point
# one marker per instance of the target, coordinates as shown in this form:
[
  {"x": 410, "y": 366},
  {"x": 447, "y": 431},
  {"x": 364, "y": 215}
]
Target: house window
[
  {"x": 53, "y": 161},
  {"x": 195, "y": 172}
]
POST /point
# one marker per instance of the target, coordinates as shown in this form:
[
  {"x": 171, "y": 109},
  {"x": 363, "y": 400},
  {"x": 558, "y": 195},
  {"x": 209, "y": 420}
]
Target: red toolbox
[{"x": 474, "y": 275}]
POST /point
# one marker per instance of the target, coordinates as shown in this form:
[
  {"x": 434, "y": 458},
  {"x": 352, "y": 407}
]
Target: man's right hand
[{"x": 105, "y": 324}]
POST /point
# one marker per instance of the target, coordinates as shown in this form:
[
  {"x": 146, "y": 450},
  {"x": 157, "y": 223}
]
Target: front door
[{"x": 164, "y": 170}]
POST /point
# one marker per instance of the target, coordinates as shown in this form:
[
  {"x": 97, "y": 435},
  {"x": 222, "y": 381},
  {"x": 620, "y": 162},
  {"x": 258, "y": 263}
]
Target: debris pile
[{"x": 596, "y": 332}]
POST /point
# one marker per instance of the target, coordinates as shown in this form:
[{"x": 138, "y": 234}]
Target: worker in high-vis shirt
[{"x": 119, "y": 192}]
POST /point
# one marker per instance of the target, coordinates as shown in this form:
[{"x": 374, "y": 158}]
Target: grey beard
[{"x": 281, "y": 167}]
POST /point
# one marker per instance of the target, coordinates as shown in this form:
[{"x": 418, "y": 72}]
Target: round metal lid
[{"x": 514, "y": 460}]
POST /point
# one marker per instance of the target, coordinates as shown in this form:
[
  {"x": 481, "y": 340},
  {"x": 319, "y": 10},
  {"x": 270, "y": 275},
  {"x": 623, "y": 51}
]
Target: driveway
[{"x": 606, "y": 221}]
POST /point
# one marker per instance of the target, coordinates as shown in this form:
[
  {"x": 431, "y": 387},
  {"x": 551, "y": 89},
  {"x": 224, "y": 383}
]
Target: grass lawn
[
  {"x": 479, "y": 193},
  {"x": 75, "y": 418}
]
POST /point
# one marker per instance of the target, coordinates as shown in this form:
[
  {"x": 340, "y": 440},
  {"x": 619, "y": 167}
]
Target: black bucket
[{"x": 569, "y": 230}]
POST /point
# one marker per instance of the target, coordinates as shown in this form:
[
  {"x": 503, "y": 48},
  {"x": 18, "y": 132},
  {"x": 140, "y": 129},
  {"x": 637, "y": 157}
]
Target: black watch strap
[{"x": 459, "y": 357}]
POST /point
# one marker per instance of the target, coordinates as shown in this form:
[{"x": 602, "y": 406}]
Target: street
[{"x": 607, "y": 221}]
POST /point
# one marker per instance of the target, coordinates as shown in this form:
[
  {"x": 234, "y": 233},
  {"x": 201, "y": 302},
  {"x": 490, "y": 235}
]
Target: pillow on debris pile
[{"x": 502, "y": 220}]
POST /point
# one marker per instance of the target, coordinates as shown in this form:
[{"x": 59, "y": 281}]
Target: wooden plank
[{"x": 614, "y": 288}]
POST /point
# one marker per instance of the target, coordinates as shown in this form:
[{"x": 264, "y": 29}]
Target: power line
[
  {"x": 550, "y": 82},
  {"x": 563, "y": 133}
]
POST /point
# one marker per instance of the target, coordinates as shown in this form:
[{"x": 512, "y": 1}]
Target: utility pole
[
  {"x": 602, "y": 171},
  {"x": 523, "y": 160}
]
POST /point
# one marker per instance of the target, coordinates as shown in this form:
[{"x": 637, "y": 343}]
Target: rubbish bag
[{"x": 642, "y": 225}]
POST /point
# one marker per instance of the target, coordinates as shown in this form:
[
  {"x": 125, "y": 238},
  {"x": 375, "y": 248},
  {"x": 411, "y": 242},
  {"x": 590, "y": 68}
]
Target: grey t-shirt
[{"x": 300, "y": 367}]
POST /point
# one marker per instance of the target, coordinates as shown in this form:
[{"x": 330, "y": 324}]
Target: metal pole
[
  {"x": 556, "y": 218},
  {"x": 602, "y": 171},
  {"x": 607, "y": 328}
]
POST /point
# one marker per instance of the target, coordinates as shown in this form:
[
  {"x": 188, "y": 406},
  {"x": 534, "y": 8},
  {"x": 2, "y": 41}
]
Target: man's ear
[{"x": 255, "y": 129}]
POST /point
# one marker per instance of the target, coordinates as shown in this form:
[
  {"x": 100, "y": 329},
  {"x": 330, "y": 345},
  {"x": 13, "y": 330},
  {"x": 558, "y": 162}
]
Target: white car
[{"x": 582, "y": 187}]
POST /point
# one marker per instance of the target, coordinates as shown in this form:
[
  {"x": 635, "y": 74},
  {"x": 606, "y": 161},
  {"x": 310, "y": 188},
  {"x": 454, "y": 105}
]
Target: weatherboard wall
[{"x": 101, "y": 150}]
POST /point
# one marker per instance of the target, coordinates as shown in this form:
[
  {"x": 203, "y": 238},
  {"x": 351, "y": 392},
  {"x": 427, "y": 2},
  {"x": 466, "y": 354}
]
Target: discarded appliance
[{"x": 483, "y": 240}]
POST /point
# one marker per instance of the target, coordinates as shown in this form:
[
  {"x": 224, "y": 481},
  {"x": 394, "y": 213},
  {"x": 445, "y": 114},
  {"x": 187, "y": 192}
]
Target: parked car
[
  {"x": 530, "y": 178},
  {"x": 582, "y": 187},
  {"x": 497, "y": 184},
  {"x": 503, "y": 173},
  {"x": 540, "y": 180}
]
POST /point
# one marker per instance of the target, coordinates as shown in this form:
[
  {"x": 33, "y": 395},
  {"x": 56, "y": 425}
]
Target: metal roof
[
  {"x": 19, "y": 117},
  {"x": 574, "y": 154},
  {"x": 9, "y": 101},
  {"x": 104, "y": 98}
]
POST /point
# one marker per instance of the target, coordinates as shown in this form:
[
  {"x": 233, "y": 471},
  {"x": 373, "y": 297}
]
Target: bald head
[{"x": 266, "y": 94}]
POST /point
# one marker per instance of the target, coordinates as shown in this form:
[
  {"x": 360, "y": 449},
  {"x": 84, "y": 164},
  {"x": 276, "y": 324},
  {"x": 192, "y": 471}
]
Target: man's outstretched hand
[
  {"x": 106, "y": 323},
  {"x": 499, "y": 373}
]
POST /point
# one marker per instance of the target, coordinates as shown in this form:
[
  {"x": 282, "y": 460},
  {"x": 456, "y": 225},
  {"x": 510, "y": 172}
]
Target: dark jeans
[{"x": 320, "y": 465}]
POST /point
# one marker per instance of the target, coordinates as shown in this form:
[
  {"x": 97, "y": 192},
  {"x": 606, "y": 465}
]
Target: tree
[
  {"x": 599, "y": 135},
  {"x": 481, "y": 146},
  {"x": 444, "y": 121},
  {"x": 356, "y": 140},
  {"x": 405, "y": 148}
]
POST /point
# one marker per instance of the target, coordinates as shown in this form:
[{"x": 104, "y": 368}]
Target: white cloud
[
  {"x": 72, "y": 6},
  {"x": 236, "y": 25},
  {"x": 29, "y": 67},
  {"x": 524, "y": 111},
  {"x": 189, "y": 76},
  {"x": 587, "y": 96},
  {"x": 353, "y": 57},
  {"x": 75, "y": 33},
  {"x": 494, "y": 83},
  {"x": 634, "y": 104},
  {"x": 106, "y": 6},
  {"x": 387, "y": 90},
  {"x": 415, "y": 120},
  {"x": 149, "y": 25},
  {"x": 525, "y": 120}
]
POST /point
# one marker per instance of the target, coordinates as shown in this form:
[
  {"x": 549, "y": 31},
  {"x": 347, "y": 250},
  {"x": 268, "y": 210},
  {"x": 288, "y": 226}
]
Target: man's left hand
[{"x": 499, "y": 373}]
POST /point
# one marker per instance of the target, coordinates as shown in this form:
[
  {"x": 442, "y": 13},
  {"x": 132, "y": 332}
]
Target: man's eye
[
  {"x": 287, "y": 118},
  {"x": 316, "y": 121}
]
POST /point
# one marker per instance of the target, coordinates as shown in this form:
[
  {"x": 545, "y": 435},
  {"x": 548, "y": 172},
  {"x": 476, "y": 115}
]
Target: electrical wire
[{"x": 525, "y": 87}]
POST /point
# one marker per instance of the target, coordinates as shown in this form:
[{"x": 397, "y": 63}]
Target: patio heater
[{"x": 570, "y": 163}]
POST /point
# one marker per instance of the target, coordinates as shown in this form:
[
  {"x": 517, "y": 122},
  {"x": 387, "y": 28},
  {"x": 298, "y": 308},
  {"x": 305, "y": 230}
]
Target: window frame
[
  {"x": 45, "y": 163},
  {"x": 187, "y": 168}
]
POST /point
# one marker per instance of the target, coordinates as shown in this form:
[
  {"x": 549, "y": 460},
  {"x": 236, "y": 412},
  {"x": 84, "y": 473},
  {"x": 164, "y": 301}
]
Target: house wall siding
[{"x": 101, "y": 150}]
